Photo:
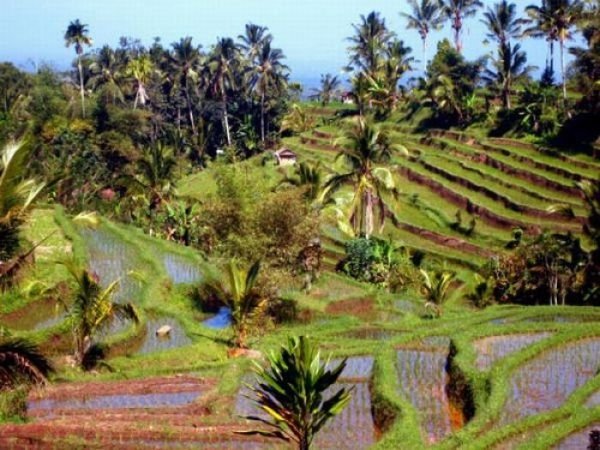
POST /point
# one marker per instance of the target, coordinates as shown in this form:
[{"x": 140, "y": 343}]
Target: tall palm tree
[
  {"x": 235, "y": 288},
  {"x": 292, "y": 392},
  {"x": 21, "y": 360},
  {"x": 425, "y": 17},
  {"x": 184, "y": 60},
  {"x": 370, "y": 38},
  {"x": 93, "y": 309},
  {"x": 253, "y": 39},
  {"x": 77, "y": 35},
  {"x": 554, "y": 20},
  {"x": 223, "y": 58},
  {"x": 456, "y": 11},
  {"x": 17, "y": 195},
  {"x": 140, "y": 69},
  {"x": 329, "y": 84},
  {"x": 106, "y": 71},
  {"x": 502, "y": 22},
  {"x": 509, "y": 66},
  {"x": 268, "y": 75},
  {"x": 363, "y": 147}
]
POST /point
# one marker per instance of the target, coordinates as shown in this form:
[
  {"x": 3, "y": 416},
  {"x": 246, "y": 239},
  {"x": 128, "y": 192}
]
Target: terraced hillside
[{"x": 500, "y": 184}]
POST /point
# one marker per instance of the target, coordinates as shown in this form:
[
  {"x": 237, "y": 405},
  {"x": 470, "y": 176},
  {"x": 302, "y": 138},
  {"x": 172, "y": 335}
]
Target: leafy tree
[
  {"x": 236, "y": 288},
  {"x": 364, "y": 146},
  {"x": 21, "y": 360},
  {"x": 93, "y": 309},
  {"x": 77, "y": 35},
  {"x": 554, "y": 20},
  {"x": 14, "y": 85},
  {"x": 436, "y": 288},
  {"x": 425, "y": 17},
  {"x": 291, "y": 391},
  {"x": 456, "y": 11}
]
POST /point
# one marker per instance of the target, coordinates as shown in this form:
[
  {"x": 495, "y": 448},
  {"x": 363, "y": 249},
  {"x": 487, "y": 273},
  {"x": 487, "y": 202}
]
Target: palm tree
[
  {"x": 553, "y": 20},
  {"x": 224, "y": 57},
  {"x": 183, "y": 61},
  {"x": 456, "y": 11},
  {"x": 363, "y": 146},
  {"x": 426, "y": 16},
  {"x": 77, "y": 35},
  {"x": 329, "y": 84},
  {"x": 140, "y": 69},
  {"x": 21, "y": 360},
  {"x": 155, "y": 174},
  {"x": 292, "y": 389},
  {"x": 298, "y": 120},
  {"x": 311, "y": 178},
  {"x": 93, "y": 309},
  {"x": 369, "y": 42},
  {"x": 236, "y": 289},
  {"x": 16, "y": 196},
  {"x": 105, "y": 71},
  {"x": 267, "y": 75},
  {"x": 253, "y": 39},
  {"x": 509, "y": 67},
  {"x": 502, "y": 22},
  {"x": 436, "y": 288}
]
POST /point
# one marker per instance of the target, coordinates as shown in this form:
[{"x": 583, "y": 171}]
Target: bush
[{"x": 13, "y": 404}]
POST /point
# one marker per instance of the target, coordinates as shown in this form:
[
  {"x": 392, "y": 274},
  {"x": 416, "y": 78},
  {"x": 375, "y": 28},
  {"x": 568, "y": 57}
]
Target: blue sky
[{"x": 311, "y": 32}]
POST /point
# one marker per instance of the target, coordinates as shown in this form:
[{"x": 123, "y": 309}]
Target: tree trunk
[
  {"x": 226, "y": 121},
  {"x": 425, "y": 58},
  {"x": 190, "y": 110},
  {"x": 457, "y": 29},
  {"x": 562, "y": 68},
  {"x": 81, "y": 90},
  {"x": 262, "y": 117}
]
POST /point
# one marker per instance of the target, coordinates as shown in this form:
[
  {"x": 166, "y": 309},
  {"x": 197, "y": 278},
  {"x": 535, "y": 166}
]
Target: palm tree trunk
[
  {"x": 562, "y": 68},
  {"x": 226, "y": 121},
  {"x": 262, "y": 117},
  {"x": 425, "y": 58},
  {"x": 82, "y": 92},
  {"x": 190, "y": 110}
]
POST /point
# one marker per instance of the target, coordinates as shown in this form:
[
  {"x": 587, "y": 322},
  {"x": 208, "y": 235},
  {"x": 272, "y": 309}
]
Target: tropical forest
[{"x": 198, "y": 250}]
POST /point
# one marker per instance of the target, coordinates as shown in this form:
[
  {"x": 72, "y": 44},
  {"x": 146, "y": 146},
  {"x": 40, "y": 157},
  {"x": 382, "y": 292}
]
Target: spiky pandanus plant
[
  {"x": 20, "y": 360},
  {"x": 436, "y": 288},
  {"x": 291, "y": 391}
]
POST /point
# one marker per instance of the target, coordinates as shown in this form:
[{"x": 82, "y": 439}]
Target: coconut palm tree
[
  {"x": 235, "y": 288},
  {"x": 329, "y": 85},
  {"x": 155, "y": 173},
  {"x": 267, "y": 75},
  {"x": 17, "y": 195},
  {"x": 456, "y": 11},
  {"x": 106, "y": 72},
  {"x": 93, "y": 309},
  {"x": 425, "y": 17},
  {"x": 508, "y": 66},
  {"x": 298, "y": 120},
  {"x": 502, "y": 22},
  {"x": 77, "y": 35},
  {"x": 291, "y": 391},
  {"x": 554, "y": 20},
  {"x": 311, "y": 178},
  {"x": 364, "y": 146},
  {"x": 140, "y": 69},
  {"x": 369, "y": 42},
  {"x": 221, "y": 65},
  {"x": 436, "y": 288},
  {"x": 253, "y": 39},
  {"x": 184, "y": 60},
  {"x": 21, "y": 360}
]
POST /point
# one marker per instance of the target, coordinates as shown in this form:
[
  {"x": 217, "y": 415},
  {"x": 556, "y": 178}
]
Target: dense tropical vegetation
[{"x": 433, "y": 222}]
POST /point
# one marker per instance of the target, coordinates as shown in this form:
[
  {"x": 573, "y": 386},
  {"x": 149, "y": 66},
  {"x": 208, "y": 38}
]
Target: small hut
[{"x": 285, "y": 157}]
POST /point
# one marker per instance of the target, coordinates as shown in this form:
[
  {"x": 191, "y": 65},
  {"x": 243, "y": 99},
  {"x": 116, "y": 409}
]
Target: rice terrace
[{"x": 223, "y": 244}]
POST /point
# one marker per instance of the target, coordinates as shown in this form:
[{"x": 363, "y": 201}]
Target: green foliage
[
  {"x": 291, "y": 391},
  {"x": 436, "y": 288},
  {"x": 21, "y": 361},
  {"x": 13, "y": 404}
]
